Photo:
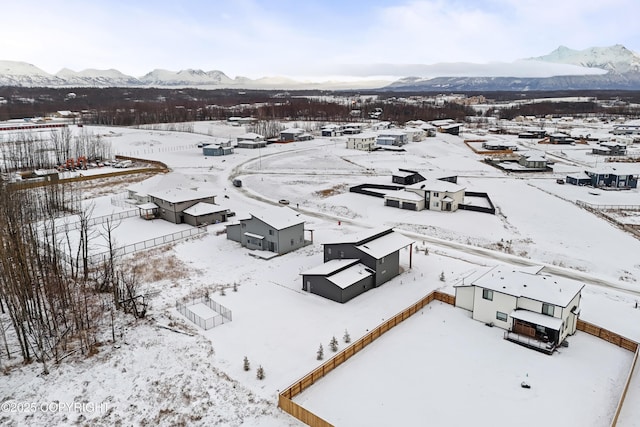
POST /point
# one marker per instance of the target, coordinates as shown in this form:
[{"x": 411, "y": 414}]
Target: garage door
[
  {"x": 410, "y": 206},
  {"x": 394, "y": 203}
]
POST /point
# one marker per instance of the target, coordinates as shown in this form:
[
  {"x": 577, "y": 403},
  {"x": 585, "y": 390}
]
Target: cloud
[{"x": 258, "y": 38}]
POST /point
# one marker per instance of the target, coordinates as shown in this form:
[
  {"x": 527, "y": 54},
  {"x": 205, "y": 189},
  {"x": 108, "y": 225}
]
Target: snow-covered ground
[
  {"x": 154, "y": 375},
  {"x": 438, "y": 367}
]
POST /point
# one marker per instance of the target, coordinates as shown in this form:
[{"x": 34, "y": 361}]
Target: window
[
  {"x": 270, "y": 232},
  {"x": 435, "y": 194},
  {"x": 244, "y": 225},
  {"x": 501, "y": 316},
  {"x": 547, "y": 309},
  {"x": 487, "y": 294},
  {"x": 291, "y": 242}
]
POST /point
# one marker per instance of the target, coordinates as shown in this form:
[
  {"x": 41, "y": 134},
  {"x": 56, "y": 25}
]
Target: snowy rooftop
[
  {"x": 202, "y": 208},
  {"x": 292, "y": 130},
  {"x": 330, "y": 266},
  {"x": 279, "y": 217},
  {"x": 404, "y": 195},
  {"x": 360, "y": 236},
  {"x": 552, "y": 290},
  {"x": 385, "y": 245},
  {"x": 436, "y": 185},
  {"x": 554, "y": 323},
  {"x": 364, "y": 135},
  {"x": 393, "y": 132},
  {"x": 250, "y": 136},
  {"x": 178, "y": 195},
  {"x": 349, "y": 276}
]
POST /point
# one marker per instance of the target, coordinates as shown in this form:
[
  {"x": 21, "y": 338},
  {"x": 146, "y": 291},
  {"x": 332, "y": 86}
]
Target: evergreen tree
[
  {"x": 260, "y": 373},
  {"x": 442, "y": 279},
  {"x": 346, "y": 337},
  {"x": 246, "y": 364},
  {"x": 320, "y": 354},
  {"x": 333, "y": 344}
]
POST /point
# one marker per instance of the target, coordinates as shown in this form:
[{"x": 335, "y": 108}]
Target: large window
[
  {"x": 487, "y": 294},
  {"x": 501, "y": 316},
  {"x": 547, "y": 309}
]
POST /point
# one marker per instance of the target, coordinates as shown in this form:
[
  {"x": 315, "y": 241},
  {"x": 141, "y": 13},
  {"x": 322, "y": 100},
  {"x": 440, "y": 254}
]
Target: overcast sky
[{"x": 257, "y": 38}]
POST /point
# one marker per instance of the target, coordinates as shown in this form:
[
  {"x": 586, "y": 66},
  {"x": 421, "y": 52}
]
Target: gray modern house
[
  {"x": 276, "y": 229},
  {"x": 356, "y": 264},
  {"x": 339, "y": 279},
  {"x": 203, "y": 213},
  {"x": 171, "y": 204}
]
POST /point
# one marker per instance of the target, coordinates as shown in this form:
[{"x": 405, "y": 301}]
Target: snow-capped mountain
[
  {"x": 92, "y": 77},
  {"x": 614, "y": 67},
  {"x": 15, "y": 73},
  {"x": 619, "y": 66},
  {"x": 616, "y": 58},
  {"x": 187, "y": 77}
]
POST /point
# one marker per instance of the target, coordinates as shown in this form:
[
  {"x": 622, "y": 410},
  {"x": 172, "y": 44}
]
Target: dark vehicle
[{"x": 237, "y": 183}]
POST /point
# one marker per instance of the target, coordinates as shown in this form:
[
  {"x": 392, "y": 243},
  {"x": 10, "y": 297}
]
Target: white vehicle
[{"x": 123, "y": 164}]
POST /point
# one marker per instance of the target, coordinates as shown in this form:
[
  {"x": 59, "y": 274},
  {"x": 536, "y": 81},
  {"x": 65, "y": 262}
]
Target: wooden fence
[
  {"x": 607, "y": 335},
  {"x": 297, "y": 411},
  {"x": 614, "y": 422},
  {"x": 286, "y": 403}
]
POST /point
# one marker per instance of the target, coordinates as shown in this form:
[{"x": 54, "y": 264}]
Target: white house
[
  {"x": 439, "y": 195},
  {"x": 394, "y": 136},
  {"x": 537, "y": 310},
  {"x": 362, "y": 141}
]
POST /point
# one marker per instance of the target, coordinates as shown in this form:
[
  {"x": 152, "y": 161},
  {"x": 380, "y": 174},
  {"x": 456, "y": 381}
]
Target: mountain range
[{"x": 613, "y": 67}]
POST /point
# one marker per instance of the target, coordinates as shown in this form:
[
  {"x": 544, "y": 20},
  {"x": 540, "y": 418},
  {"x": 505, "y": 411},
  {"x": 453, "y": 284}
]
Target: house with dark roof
[
  {"x": 275, "y": 229},
  {"x": 536, "y": 310},
  {"x": 356, "y": 264},
  {"x": 406, "y": 177},
  {"x": 610, "y": 148}
]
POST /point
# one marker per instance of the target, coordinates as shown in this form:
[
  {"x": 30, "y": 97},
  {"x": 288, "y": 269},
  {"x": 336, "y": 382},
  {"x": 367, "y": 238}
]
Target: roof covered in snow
[
  {"x": 279, "y": 217},
  {"x": 552, "y": 290}
]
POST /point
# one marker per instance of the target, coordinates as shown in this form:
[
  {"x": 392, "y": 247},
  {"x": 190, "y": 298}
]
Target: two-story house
[{"x": 537, "y": 310}]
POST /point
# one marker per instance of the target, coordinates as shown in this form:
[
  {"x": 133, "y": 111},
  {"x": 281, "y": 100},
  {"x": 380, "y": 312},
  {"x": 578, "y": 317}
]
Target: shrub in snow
[
  {"x": 235, "y": 287},
  {"x": 260, "y": 373},
  {"x": 320, "y": 353},
  {"x": 246, "y": 364},
  {"x": 333, "y": 344},
  {"x": 346, "y": 337},
  {"x": 442, "y": 279},
  {"x": 222, "y": 291}
]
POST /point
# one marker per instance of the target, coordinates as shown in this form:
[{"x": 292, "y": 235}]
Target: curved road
[{"x": 437, "y": 242}]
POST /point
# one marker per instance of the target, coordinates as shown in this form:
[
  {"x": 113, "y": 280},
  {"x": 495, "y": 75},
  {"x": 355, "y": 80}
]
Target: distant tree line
[
  {"x": 140, "y": 106},
  {"x": 32, "y": 150}
]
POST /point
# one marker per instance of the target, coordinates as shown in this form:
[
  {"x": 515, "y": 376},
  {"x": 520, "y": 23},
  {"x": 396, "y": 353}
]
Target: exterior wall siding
[
  {"x": 465, "y": 297},
  {"x": 285, "y": 236},
  {"x": 234, "y": 232},
  {"x": 485, "y": 310}
]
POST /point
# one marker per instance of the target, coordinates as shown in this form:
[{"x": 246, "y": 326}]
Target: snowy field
[
  {"x": 154, "y": 375},
  {"x": 439, "y": 368}
]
